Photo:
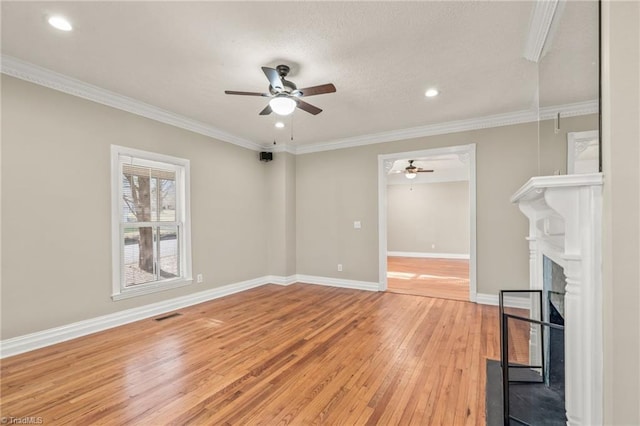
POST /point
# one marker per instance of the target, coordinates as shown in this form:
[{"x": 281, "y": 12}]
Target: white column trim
[{"x": 565, "y": 220}]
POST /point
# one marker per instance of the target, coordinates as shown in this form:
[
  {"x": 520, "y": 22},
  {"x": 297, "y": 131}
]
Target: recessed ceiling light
[
  {"x": 431, "y": 93},
  {"x": 60, "y": 23},
  {"x": 279, "y": 124}
]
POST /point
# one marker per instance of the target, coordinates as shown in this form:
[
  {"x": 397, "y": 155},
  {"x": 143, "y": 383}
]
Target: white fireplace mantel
[{"x": 565, "y": 221}]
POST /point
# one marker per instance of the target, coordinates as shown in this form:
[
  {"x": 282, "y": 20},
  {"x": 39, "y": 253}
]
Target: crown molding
[
  {"x": 498, "y": 120},
  {"x": 34, "y": 74},
  {"x": 421, "y": 131},
  {"x": 283, "y": 148},
  {"x": 539, "y": 28},
  {"x": 569, "y": 110}
]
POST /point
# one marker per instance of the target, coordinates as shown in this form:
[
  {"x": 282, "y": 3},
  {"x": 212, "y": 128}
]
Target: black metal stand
[{"x": 504, "y": 350}]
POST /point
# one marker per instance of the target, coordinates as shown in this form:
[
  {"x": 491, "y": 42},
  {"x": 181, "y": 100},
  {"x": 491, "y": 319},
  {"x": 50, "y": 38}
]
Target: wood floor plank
[
  {"x": 273, "y": 355},
  {"x": 432, "y": 277}
]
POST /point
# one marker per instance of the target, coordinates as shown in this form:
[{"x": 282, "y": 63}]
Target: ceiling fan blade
[
  {"x": 308, "y": 107},
  {"x": 274, "y": 78},
  {"x": 266, "y": 111},
  {"x": 424, "y": 171},
  {"x": 318, "y": 90},
  {"x": 233, "y": 92}
]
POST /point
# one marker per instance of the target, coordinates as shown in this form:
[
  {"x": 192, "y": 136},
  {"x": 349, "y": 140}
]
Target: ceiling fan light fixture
[
  {"x": 410, "y": 175},
  {"x": 279, "y": 125},
  {"x": 282, "y": 105}
]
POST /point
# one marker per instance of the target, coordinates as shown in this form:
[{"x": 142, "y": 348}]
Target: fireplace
[
  {"x": 554, "y": 282},
  {"x": 564, "y": 215}
]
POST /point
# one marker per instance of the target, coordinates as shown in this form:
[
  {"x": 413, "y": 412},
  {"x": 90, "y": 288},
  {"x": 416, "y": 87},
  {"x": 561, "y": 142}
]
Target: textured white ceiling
[
  {"x": 381, "y": 56},
  {"x": 568, "y": 70}
]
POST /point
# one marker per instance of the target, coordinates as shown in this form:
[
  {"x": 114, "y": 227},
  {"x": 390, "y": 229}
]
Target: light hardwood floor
[
  {"x": 444, "y": 278},
  {"x": 301, "y": 354}
]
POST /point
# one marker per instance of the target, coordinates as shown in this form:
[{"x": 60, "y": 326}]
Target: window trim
[{"x": 183, "y": 197}]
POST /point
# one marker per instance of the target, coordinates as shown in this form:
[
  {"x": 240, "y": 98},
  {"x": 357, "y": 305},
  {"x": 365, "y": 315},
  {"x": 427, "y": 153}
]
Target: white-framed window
[{"x": 150, "y": 226}]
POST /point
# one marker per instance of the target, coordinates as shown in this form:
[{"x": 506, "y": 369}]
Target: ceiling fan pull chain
[
  {"x": 275, "y": 133},
  {"x": 291, "y": 127}
]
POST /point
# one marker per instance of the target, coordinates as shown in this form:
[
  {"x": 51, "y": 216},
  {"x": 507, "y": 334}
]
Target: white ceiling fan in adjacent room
[{"x": 411, "y": 171}]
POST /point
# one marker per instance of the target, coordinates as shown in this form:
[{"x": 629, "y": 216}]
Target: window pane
[
  {"x": 137, "y": 195},
  {"x": 167, "y": 202},
  {"x": 151, "y": 228},
  {"x": 154, "y": 199},
  {"x": 147, "y": 192},
  {"x": 128, "y": 209},
  {"x": 169, "y": 258},
  {"x": 138, "y": 256}
]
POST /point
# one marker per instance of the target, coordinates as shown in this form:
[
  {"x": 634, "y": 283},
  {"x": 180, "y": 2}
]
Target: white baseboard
[
  {"x": 427, "y": 255},
  {"x": 281, "y": 280},
  {"x": 509, "y": 301},
  {"x": 338, "y": 282},
  {"x": 40, "y": 339}
]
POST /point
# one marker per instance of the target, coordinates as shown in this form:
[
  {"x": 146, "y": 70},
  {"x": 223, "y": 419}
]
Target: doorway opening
[{"x": 427, "y": 222}]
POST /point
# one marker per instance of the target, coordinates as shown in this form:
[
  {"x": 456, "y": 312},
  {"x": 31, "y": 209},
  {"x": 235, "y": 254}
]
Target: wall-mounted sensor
[{"x": 266, "y": 156}]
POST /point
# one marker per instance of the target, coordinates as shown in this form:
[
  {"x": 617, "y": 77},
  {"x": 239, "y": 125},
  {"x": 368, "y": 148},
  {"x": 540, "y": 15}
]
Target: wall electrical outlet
[
  {"x": 339, "y": 267},
  {"x": 199, "y": 278}
]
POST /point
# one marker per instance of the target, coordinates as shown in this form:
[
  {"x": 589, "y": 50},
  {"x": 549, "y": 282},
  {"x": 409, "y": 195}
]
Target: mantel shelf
[{"x": 536, "y": 186}]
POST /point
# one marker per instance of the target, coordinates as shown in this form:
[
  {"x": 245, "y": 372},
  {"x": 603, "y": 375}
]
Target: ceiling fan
[
  {"x": 411, "y": 171},
  {"x": 285, "y": 96}
]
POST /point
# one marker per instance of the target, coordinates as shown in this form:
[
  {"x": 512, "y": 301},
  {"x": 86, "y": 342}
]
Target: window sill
[{"x": 151, "y": 288}]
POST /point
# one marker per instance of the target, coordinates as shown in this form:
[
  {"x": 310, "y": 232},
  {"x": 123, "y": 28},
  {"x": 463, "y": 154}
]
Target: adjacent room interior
[
  {"x": 428, "y": 226},
  {"x": 224, "y": 212}
]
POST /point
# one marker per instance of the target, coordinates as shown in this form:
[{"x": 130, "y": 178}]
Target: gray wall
[
  {"x": 293, "y": 215},
  {"x": 621, "y": 217},
  {"x": 334, "y": 188},
  {"x": 280, "y": 208},
  {"x": 56, "y": 262},
  {"x": 423, "y": 215}
]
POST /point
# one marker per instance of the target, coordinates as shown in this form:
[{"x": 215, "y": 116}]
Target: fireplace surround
[{"x": 565, "y": 220}]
